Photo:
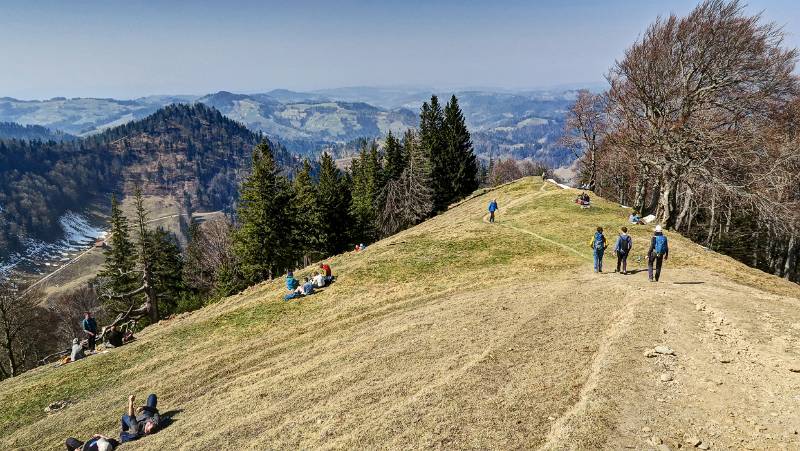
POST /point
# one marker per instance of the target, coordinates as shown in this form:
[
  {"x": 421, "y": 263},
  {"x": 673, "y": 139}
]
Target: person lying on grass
[
  {"x": 140, "y": 422},
  {"x": 96, "y": 443}
]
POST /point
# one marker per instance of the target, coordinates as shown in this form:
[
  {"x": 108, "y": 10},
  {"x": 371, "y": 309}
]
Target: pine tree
[
  {"x": 432, "y": 140},
  {"x": 307, "y": 214},
  {"x": 407, "y": 201},
  {"x": 367, "y": 185},
  {"x": 120, "y": 254},
  {"x": 146, "y": 259},
  {"x": 263, "y": 241},
  {"x": 394, "y": 158},
  {"x": 333, "y": 193},
  {"x": 463, "y": 165},
  {"x": 166, "y": 264}
]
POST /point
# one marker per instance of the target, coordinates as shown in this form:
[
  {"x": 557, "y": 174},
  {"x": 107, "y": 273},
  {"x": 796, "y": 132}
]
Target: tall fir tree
[
  {"x": 463, "y": 164},
  {"x": 120, "y": 255},
  {"x": 333, "y": 196},
  {"x": 407, "y": 201},
  {"x": 394, "y": 158},
  {"x": 263, "y": 241},
  {"x": 432, "y": 140},
  {"x": 307, "y": 214},
  {"x": 366, "y": 186},
  {"x": 146, "y": 259},
  {"x": 166, "y": 263}
]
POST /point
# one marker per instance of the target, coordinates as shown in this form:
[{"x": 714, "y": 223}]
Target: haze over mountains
[{"x": 504, "y": 124}]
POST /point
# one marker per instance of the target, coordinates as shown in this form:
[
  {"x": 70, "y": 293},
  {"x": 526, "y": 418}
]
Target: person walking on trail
[
  {"x": 492, "y": 208},
  {"x": 96, "y": 443},
  {"x": 599, "y": 245},
  {"x": 658, "y": 252},
  {"x": 622, "y": 249},
  {"x": 140, "y": 422},
  {"x": 89, "y": 328}
]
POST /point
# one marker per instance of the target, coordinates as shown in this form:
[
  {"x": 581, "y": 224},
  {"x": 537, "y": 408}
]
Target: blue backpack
[
  {"x": 598, "y": 241},
  {"x": 661, "y": 245}
]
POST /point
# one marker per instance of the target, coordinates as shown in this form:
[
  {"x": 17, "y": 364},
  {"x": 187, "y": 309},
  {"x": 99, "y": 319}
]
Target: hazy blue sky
[{"x": 131, "y": 48}]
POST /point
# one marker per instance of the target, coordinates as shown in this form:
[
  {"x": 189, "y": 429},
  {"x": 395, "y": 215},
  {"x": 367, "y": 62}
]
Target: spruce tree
[
  {"x": 333, "y": 193},
  {"x": 463, "y": 165},
  {"x": 307, "y": 214},
  {"x": 263, "y": 241},
  {"x": 407, "y": 201},
  {"x": 394, "y": 158},
  {"x": 120, "y": 254},
  {"x": 366, "y": 187},
  {"x": 432, "y": 140},
  {"x": 166, "y": 264}
]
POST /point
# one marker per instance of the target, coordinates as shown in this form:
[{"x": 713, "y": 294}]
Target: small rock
[
  {"x": 725, "y": 360},
  {"x": 703, "y": 446},
  {"x": 646, "y": 430},
  {"x": 655, "y": 440},
  {"x": 666, "y": 377},
  {"x": 664, "y": 350},
  {"x": 694, "y": 441},
  {"x": 650, "y": 354},
  {"x": 795, "y": 369}
]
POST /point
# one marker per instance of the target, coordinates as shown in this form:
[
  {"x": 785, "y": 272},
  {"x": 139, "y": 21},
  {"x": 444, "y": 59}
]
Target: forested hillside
[
  {"x": 12, "y": 130},
  {"x": 192, "y": 152}
]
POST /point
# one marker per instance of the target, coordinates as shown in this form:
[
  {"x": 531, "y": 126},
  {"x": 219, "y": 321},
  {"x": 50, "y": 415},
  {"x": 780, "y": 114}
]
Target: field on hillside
[{"x": 458, "y": 333}]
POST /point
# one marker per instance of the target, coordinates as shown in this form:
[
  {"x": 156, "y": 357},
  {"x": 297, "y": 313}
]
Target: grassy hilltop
[{"x": 458, "y": 333}]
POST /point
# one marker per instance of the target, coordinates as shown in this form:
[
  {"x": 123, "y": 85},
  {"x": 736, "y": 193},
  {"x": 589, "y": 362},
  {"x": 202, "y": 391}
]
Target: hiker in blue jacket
[
  {"x": 492, "y": 209},
  {"x": 89, "y": 326},
  {"x": 599, "y": 246},
  {"x": 622, "y": 249},
  {"x": 659, "y": 251}
]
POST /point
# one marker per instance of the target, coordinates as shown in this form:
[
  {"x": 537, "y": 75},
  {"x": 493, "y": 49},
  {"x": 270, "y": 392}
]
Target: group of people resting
[
  {"x": 136, "y": 423},
  {"x": 112, "y": 335},
  {"x": 656, "y": 254},
  {"x": 583, "y": 200},
  {"x": 319, "y": 279}
]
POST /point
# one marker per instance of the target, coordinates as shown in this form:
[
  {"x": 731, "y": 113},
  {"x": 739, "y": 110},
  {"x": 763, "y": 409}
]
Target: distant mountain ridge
[{"x": 504, "y": 124}]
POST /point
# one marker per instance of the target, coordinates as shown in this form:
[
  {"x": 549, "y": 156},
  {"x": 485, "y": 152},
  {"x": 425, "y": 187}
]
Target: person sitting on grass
[
  {"x": 319, "y": 280},
  {"x": 326, "y": 268},
  {"x": 308, "y": 287},
  {"x": 140, "y": 422},
  {"x": 291, "y": 282},
  {"x": 77, "y": 351},
  {"x": 113, "y": 337},
  {"x": 96, "y": 443}
]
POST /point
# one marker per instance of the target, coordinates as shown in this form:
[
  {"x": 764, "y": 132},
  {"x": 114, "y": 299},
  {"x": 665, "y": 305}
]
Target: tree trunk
[
  {"x": 9, "y": 345},
  {"x": 788, "y": 266},
  {"x": 666, "y": 202},
  {"x": 687, "y": 201},
  {"x": 640, "y": 193},
  {"x": 711, "y": 222}
]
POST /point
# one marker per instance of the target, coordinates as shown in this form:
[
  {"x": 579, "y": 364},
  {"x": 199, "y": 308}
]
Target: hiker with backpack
[
  {"x": 137, "y": 423},
  {"x": 622, "y": 249},
  {"x": 492, "y": 208},
  {"x": 599, "y": 245},
  {"x": 659, "y": 251}
]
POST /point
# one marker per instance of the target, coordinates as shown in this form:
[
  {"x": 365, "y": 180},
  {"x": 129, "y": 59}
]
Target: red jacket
[{"x": 327, "y": 269}]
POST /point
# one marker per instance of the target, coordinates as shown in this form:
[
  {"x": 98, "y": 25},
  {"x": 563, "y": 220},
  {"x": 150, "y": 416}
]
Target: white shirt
[{"x": 319, "y": 281}]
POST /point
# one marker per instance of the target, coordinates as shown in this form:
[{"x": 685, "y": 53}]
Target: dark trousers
[
  {"x": 129, "y": 422},
  {"x": 491, "y": 216},
  {"x": 659, "y": 260},
  {"x": 622, "y": 261},
  {"x": 91, "y": 339}
]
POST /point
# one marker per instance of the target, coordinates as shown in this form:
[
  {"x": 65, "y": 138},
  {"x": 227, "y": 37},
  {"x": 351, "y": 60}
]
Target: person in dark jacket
[
  {"x": 113, "y": 337},
  {"x": 89, "y": 328},
  {"x": 599, "y": 245},
  {"x": 622, "y": 249},
  {"x": 140, "y": 422},
  {"x": 492, "y": 208},
  {"x": 658, "y": 252},
  {"x": 96, "y": 443}
]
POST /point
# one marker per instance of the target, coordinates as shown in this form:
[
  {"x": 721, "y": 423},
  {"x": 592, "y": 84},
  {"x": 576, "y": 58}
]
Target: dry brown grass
[{"x": 454, "y": 334}]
